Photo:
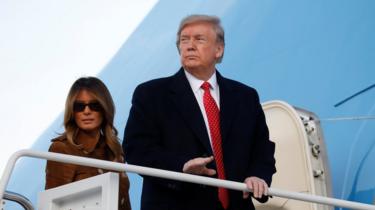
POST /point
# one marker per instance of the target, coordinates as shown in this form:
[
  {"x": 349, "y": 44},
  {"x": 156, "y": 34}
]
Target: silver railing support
[
  {"x": 109, "y": 165},
  {"x": 20, "y": 199}
]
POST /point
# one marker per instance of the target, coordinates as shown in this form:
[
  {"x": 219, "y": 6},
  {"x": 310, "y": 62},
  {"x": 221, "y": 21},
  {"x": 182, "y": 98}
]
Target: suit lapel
[
  {"x": 186, "y": 103},
  {"x": 228, "y": 105}
]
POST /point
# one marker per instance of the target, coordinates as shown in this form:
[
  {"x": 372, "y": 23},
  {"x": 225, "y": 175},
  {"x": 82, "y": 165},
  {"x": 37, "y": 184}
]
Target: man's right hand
[{"x": 198, "y": 166}]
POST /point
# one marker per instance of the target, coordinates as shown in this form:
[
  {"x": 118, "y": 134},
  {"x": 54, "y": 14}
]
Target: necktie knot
[{"x": 206, "y": 86}]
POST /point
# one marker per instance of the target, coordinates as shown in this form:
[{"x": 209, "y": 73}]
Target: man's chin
[
  {"x": 191, "y": 69},
  {"x": 191, "y": 65}
]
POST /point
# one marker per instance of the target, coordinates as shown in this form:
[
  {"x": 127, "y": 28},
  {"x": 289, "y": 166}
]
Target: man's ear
[{"x": 219, "y": 50}]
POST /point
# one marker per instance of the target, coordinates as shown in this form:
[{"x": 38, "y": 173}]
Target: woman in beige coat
[{"x": 89, "y": 132}]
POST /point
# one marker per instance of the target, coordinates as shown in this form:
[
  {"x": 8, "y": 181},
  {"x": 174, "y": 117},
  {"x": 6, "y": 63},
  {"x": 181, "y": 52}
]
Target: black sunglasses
[{"x": 80, "y": 106}]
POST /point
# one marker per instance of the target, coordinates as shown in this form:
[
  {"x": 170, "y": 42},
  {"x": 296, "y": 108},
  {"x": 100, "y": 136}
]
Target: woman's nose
[{"x": 87, "y": 110}]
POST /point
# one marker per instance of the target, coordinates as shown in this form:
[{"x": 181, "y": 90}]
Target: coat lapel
[
  {"x": 228, "y": 105},
  {"x": 186, "y": 103}
]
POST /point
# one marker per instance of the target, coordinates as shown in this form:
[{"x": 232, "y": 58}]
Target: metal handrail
[
  {"x": 109, "y": 165},
  {"x": 20, "y": 199}
]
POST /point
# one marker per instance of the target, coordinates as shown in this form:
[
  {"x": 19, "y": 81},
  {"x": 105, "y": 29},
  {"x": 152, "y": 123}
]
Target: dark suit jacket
[{"x": 166, "y": 128}]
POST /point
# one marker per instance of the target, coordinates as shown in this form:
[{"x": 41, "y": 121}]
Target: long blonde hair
[{"x": 98, "y": 89}]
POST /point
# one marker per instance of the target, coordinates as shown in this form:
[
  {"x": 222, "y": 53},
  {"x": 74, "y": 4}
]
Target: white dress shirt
[{"x": 195, "y": 85}]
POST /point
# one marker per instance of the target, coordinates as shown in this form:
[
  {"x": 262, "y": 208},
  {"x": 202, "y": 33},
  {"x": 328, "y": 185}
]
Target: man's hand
[
  {"x": 258, "y": 186},
  {"x": 198, "y": 166}
]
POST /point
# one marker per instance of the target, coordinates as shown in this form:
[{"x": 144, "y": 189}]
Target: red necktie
[{"x": 213, "y": 116}]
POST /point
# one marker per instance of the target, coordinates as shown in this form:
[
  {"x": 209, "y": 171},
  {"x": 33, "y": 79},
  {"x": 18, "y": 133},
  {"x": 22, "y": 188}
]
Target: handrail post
[
  {"x": 18, "y": 198},
  {"x": 7, "y": 172},
  {"x": 6, "y": 175}
]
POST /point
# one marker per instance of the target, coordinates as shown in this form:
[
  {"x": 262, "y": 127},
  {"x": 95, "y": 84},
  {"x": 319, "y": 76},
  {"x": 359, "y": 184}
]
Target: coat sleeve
[
  {"x": 262, "y": 155},
  {"x": 58, "y": 173}
]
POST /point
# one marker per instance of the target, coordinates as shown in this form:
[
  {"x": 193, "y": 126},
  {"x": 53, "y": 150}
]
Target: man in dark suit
[{"x": 199, "y": 122}]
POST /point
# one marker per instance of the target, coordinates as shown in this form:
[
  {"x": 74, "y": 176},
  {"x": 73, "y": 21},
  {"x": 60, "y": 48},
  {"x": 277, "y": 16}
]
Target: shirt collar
[{"x": 196, "y": 83}]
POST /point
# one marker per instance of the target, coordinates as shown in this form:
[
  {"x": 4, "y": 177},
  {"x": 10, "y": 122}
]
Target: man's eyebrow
[{"x": 199, "y": 35}]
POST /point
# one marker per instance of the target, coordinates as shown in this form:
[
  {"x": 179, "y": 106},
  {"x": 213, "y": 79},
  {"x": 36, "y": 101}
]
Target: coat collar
[
  {"x": 186, "y": 103},
  {"x": 229, "y": 101}
]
